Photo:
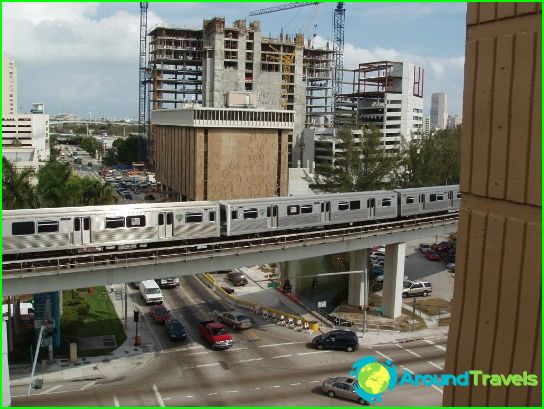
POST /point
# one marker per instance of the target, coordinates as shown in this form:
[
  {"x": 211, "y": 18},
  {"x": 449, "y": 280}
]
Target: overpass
[{"x": 27, "y": 276}]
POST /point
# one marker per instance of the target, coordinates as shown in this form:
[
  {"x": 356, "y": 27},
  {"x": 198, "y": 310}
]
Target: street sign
[
  {"x": 379, "y": 309},
  {"x": 273, "y": 285},
  {"x": 321, "y": 304}
]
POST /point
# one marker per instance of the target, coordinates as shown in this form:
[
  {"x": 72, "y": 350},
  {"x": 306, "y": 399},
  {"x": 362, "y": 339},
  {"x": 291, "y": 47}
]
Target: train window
[
  {"x": 409, "y": 199},
  {"x": 136, "y": 221},
  {"x": 21, "y": 228},
  {"x": 268, "y": 212},
  {"x": 355, "y": 205},
  {"x": 115, "y": 222},
  {"x": 343, "y": 206},
  {"x": 222, "y": 214},
  {"x": 293, "y": 210},
  {"x": 212, "y": 216},
  {"x": 432, "y": 198},
  {"x": 234, "y": 214},
  {"x": 193, "y": 217},
  {"x": 250, "y": 213},
  {"x": 48, "y": 226},
  {"x": 161, "y": 219},
  {"x": 386, "y": 202},
  {"x": 86, "y": 223},
  {"x": 306, "y": 209},
  {"x": 169, "y": 218},
  {"x": 322, "y": 207},
  {"x": 77, "y": 224},
  {"x": 440, "y": 197},
  {"x": 458, "y": 195}
]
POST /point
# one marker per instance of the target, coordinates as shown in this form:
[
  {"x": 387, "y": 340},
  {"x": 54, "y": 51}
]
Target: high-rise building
[
  {"x": 9, "y": 86},
  {"x": 439, "y": 111},
  {"x": 454, "y": 120},
  {"x": 203, "y": 65},
  {"x": 426, "y": 126}
]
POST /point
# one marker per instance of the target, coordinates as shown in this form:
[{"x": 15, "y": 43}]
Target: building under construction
[{"x": 204, "y": 66}]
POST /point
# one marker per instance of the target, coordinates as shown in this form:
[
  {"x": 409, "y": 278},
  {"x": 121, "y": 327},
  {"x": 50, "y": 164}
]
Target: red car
[
  {"x": 159, "y": 314},
  {"x": 432, "y": 255}
]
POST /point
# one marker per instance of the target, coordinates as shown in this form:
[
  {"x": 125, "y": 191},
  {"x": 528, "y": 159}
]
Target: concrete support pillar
[
  {"x": 6, "y": 392},
  {"x": 393, "y": 278},
  {"x": 358, "y": 283}
]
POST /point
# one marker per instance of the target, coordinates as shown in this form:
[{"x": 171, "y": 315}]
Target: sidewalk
[{"x": 123, "y": 359}]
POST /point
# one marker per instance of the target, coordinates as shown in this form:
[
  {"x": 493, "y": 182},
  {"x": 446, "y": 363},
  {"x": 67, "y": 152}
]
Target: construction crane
[
  {"x": 282, "y": 7},
  {"x": 142, "y": 106},
  {"x": 338, "y": 24}
]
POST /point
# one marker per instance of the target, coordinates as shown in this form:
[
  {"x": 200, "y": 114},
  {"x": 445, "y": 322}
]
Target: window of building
[
  {"x": 115, "y": 222},
  {"x": 355, "y": 205},
  {"x": 136, "y": 221},
  {"x": 48, "y": 226},
  {"x": 293, "y": 210},
  {"x": 250, "y": 213},
  {"x": 22, "y": 228}
]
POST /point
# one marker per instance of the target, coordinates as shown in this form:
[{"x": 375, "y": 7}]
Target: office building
[
  {"x": 439, "y": 111},
  {"x": 9, "y": 86}
]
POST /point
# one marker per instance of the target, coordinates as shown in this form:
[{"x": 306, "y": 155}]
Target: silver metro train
[{"x": 97, "y": 228}]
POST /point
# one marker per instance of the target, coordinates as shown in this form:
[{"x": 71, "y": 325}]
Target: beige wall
[
  {"x": 242, "y": 163},
  {"x": 496, "y": 319}
]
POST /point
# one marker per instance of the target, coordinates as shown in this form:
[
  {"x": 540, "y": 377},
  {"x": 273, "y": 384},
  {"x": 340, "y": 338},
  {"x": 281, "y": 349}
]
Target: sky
[{"x": 83, "y": 58}]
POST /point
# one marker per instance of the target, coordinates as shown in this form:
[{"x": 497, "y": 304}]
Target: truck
[
  {"x": 150, "y": 291},
  {"x": 215, "y": 334}
]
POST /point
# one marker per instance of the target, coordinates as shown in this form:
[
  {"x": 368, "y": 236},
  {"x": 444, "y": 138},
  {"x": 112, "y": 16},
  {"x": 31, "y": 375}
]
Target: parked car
[
  {"x": 451, "y": 267},
  {"x": 414, "y": 288},
  {"x": 342, "y": 387},
  {"x": 442, "y": 246},
  {"x": 379, "y": 278},
  {"x": 90, "y": 164},
  {"x": 337, "y": 339},
  {"x": 175, "y": 329},
  {"x": 423, "y": 247},
  {"x": 214, "y": 332},
  {"x": 237, "y": 278},
  {"x": 159, "y": 313},
  {"x": 432, "y": 255},
  {"x": 235, "y": 320}
]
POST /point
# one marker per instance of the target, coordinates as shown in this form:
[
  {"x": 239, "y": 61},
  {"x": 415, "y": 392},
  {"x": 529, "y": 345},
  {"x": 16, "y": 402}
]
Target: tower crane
[{"x": 142, "y": 106}]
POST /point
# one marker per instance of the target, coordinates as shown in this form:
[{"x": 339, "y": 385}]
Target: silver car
[
  {"x": 235, "y": 320},
  {"x": 342, "y": 387}
]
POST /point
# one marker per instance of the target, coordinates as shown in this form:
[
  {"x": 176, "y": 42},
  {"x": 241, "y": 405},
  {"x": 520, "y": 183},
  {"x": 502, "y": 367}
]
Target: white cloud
[{"x": 52, "y": 33}]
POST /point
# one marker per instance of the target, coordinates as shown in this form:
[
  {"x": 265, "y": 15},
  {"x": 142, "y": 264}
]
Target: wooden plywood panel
[
  {"x": 534, "y": 184},
  {"x": 501, "y": 117},
  {"x": 529, "y": 312},
  {"x": 488, "y": 12},
  {"x": 506, "y": 10},
  {"x": 535, "y": 394},
  {"x": 473, "y": 10},
  {"x": 521, "y": 117},
  {"x": 463, "y": 241},
  {"x": 468, "y": 120},
  {"x": 489, "y": 302},
  {"x": 467, "y": 333},
  {"x": 509, "y": 290},
  {"x": 527, "y": 8},
  {"x": 483, "y": 103}
]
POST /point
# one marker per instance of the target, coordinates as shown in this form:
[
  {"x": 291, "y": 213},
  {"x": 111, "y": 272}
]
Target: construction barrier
[{"x": 258, "y": 309}]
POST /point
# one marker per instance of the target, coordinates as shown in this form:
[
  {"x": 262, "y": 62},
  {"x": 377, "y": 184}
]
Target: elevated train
[{"x": 121, "y": 227}]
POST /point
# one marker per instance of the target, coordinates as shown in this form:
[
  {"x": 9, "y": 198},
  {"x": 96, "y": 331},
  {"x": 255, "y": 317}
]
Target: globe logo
[{"x": 373, "y": 378}]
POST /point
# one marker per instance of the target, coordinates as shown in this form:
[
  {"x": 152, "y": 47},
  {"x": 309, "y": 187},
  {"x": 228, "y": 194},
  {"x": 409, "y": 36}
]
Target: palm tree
[
  {"x": 17, "y": 189},
  {"x": 94, "y": 192}
]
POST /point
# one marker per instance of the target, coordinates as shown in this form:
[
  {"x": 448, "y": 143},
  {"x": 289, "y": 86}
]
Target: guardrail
[
  {"x": 256, "y": 308},
  {"x": 167, "y": 254}
]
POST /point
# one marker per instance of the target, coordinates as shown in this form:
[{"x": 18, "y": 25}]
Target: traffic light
[{"x": 136, "y": 315}]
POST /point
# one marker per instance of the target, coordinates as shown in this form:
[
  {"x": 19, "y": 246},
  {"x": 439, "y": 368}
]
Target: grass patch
[
  {"x": 433, "y": 306},
  {"x": 102, "y": 319}
]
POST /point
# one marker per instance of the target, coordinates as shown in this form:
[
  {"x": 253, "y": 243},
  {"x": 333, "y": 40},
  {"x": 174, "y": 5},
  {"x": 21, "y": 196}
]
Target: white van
[{"x": 151, "y": 293}]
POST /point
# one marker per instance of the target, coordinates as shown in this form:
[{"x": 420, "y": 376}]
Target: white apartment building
[
  {"x": 26, "y": 131},
  {"x": 439, "y": 111},
  {"x": 426, "y": 126},
  {"x": 9, "y": 86}
]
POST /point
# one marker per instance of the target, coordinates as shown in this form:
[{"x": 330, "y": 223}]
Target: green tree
[
  {"x": 17, "y": 189},
  {"x": 131, "y": 149},
  {"x": 54, "y": 189},
  {"x": 90, "y": 145}
]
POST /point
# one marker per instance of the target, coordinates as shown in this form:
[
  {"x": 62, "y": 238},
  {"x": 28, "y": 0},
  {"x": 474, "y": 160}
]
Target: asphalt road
[{"x": 268, "y": 365}]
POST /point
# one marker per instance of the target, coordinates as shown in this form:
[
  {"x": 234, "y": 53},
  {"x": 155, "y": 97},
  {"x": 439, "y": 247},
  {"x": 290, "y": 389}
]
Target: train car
[
  {"x": 110, "y": 227},
  {"x": 295, "y": 212},
  {"x": 424, "y": 200}
]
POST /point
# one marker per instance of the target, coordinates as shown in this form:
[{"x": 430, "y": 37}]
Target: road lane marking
[
  {"x": 249, "y": 360},
  {"x": 158, "y": 396},
  {"x": 385, "y": 356},
  {"x": 435, "y": 365},
  {"x": 281, "y": 344},
  {"x": 255, "y": 389},
  {"x": 236, "y": 349},
  {"x": 212, "y": 393},
  {"x": 295, "y": 384},
  {"x": 282, "y": 356},
  {"x": 188, "y": 348},
  {"x": 276, "y": 386},
  {"x": 232, "y": 392},
  {"x": 87, "y": 385},
  {"x": 408, "y": 350},
  {"x": 203, "y": 365},
  {"x": 54, "y": 388},
  {"x": 440, "y": 347},
  {"x": 314, "y": 382},
  {"x": 313, "y": 352},
  {"x": 189, "y": 396},
  {"x": 199, "y": 353},
  {"x": 115, "y": 401}
]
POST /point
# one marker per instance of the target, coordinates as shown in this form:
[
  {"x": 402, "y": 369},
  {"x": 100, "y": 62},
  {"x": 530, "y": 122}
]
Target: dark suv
[{"x": 338, "y": 339}]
